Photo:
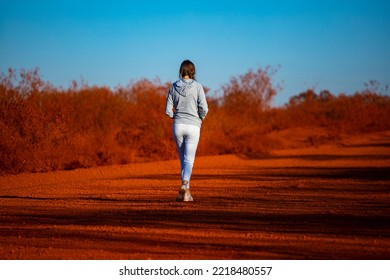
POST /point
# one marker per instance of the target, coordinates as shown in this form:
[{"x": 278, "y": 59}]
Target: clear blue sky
[{"x": 334, "y": 45}]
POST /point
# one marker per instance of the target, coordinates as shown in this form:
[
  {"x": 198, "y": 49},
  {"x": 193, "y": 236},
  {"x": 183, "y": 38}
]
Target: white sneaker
[
  {"x": 188, "y": 196},
  {"x": 184, "y": 194}
]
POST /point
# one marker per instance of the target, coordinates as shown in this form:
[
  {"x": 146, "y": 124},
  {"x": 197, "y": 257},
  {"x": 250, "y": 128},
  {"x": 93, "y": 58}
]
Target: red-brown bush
[{"x": 45, "y": 128}]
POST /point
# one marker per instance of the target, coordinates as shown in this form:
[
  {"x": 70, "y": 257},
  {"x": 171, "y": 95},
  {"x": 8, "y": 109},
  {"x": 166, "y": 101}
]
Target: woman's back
[{"x": 188, "y": 99}]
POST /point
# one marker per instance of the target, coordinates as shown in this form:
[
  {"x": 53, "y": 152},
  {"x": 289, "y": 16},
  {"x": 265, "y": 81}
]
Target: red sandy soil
[{"x": 327, "y": 202}]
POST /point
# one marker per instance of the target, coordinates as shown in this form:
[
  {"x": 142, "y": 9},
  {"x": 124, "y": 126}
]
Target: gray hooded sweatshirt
[{"x": 186, "y": 102}]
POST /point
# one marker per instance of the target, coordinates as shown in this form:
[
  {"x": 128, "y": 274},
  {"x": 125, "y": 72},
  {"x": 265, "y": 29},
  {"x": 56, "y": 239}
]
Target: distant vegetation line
[{"x": 44, "y": 128}]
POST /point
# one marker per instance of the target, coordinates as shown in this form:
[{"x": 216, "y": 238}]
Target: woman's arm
[
  {"x": 169, "y": 104},
  {"x": 202, "y": 103}
]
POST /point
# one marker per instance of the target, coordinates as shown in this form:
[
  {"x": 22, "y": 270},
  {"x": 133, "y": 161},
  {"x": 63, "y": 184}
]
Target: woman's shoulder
[
  {"x": 197, "y": 83},
  {"x": 194, "y": 83},
  {"x": 175, "y": 82}
]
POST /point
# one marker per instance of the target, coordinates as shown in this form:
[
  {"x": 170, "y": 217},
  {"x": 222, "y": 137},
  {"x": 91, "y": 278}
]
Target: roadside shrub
[{"x": 44, "y": 128}]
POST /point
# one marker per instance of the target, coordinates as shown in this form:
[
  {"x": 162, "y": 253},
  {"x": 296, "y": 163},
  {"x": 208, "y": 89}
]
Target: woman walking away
[{"x": 187, "y": 105}]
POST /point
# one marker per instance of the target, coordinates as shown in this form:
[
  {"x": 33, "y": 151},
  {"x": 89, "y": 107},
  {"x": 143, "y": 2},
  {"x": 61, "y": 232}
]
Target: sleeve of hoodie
[
  {"x": 169, "y": 104},
  {"x": 202, "y": 103}
]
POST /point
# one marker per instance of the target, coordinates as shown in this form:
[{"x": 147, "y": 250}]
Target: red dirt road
[{"x": 330, "y": 202}]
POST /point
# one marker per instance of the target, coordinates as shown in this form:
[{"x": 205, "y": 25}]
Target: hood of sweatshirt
[{"x": 183, "y": 85}]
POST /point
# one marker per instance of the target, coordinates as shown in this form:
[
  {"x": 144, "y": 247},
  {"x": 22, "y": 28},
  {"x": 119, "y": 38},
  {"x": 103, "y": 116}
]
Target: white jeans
[{"x": 187, "y": 138}]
